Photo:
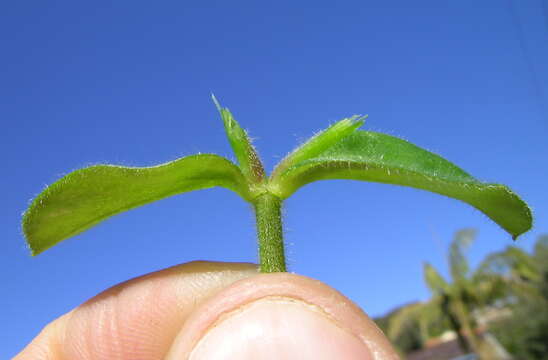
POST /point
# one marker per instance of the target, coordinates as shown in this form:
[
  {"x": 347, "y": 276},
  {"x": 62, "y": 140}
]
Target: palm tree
[
  {"x": 526, "y": 276},
  {"x": 454, "y": 302}
]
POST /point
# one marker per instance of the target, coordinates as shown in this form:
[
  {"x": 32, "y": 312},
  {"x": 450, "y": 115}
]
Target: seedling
[{"x": 85, "y": 197}]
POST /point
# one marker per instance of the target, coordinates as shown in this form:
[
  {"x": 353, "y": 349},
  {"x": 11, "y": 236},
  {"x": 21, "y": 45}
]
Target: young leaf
[
  {"x": 371, "y": 156},
  {"x": 319, "y": 143},
  {"x": 247, "y": 156},
  {"x": 87, "y": 196}
]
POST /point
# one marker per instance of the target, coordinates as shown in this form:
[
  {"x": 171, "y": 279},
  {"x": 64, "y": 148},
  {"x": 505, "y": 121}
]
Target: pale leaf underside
[{"x": 87, "y": 196}]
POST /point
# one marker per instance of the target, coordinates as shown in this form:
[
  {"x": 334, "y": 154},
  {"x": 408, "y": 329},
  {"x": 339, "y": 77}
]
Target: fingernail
[{"x": 278, "y": 328}]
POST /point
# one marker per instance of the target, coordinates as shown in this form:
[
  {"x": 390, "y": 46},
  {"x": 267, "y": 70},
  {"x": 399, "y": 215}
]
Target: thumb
[{"x": 279, "y": 316}]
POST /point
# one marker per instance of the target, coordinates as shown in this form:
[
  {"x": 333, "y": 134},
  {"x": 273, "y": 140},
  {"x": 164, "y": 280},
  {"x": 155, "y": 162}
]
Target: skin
[{"x": 201, "y": 309}]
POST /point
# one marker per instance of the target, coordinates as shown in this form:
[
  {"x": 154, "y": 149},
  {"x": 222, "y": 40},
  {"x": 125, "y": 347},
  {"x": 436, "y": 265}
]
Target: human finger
[
  {"x": 137, "y": 319},
  {"x": 280, "y": 316}
]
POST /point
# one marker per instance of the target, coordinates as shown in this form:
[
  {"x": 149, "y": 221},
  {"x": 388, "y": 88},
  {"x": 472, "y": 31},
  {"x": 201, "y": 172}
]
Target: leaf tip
[
  {"x": 216, "y": 102},
  {"x": 515, "y": 236},
  {"x": 359, "y": 120}
]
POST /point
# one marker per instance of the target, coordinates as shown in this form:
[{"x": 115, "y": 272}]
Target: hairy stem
[{"x": 270, "y": 233}]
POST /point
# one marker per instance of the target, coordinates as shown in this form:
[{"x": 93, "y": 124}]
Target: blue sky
[{"x": 129, "y": 83}]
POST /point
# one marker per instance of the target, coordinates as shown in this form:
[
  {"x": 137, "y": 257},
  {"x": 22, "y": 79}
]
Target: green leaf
[
  {"x": 435, "y": 281},
  {"x": 87, "y": 196},
  {"x": 245, "y": 153},
  {"x": 371, "y": 156},
  {"x": 319, "y": 143}
]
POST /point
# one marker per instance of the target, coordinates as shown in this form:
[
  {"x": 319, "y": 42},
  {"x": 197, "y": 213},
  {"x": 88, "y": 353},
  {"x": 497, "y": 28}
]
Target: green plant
[
  {"x": 454, "y": 303},
  {"x": 87, "y": 196},
  {"x": 526, "y": 276},
  {"x": 510, "y": 285}
]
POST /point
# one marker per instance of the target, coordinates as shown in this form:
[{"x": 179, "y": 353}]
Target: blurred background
[{"x": 130, "y": 82}]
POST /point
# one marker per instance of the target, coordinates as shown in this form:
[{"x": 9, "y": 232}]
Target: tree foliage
[
  {"x": 525, "y": 333},
  {"x": 456, "y": 302}
]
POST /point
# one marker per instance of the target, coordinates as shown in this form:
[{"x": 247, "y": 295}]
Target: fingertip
[{"x": 280, "y": 316}]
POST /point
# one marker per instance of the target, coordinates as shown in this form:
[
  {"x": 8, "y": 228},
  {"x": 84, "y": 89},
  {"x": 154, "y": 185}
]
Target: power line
[
  {"x": 544, "y": 5},
  {"x": 537, "y": 87}
]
